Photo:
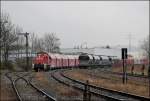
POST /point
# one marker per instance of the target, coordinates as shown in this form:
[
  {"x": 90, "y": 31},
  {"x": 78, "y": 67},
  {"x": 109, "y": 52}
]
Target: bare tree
[
  {"x": 7, "y": 36},
  {"x": 145, "y": 46},
  {"x": 32, "y": 38},
  {"x": 51, "y": 42},
  {"x": 37, "y": 44},
  {"x": 19, "y": 45}
]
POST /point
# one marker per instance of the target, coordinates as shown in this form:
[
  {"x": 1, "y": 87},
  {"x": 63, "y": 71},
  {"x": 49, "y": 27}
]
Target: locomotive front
[{"x": 41, "y": 62}]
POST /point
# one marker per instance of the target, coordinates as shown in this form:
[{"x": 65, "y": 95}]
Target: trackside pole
[
  {"x": 149, "y": 78},
  {"x": 126, "y": 76},
  {"x": 86, "y": 94},
  {"x": 149, "y": 65},
  {"x": 124, "y": 57},
  {"x": 123, "y": 76},
  {"x": 27, "y": 58}
]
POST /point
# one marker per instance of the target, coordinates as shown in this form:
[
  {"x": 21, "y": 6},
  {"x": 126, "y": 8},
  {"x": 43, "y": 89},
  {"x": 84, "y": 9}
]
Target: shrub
[{"x": 7, "y": 65}]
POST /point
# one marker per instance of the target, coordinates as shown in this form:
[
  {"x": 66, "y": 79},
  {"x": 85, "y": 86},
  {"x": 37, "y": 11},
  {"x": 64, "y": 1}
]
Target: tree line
[
  {"x": 11, "y": 42},
  {"x": 145, "y": 46}
]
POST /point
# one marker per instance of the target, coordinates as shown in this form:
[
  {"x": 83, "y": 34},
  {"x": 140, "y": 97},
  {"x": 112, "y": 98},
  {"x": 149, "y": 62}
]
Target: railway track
[
  {"x": 136, "y": 77},
  {"x": 128, "y": 74},
  {"x": 18, "y": 76},
  {"x": 117, "y": 77},
  {"x": 97, "y": 91}
]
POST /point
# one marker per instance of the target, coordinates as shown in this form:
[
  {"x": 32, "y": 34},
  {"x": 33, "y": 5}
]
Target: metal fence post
[
  {"x": 85, "y": 93},
  {"x": 88, "y": 91}
]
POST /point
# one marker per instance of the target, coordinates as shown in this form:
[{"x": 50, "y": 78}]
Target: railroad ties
[
  {"x": 100, "y": 92},
  {"x": 15, "y": 77}
]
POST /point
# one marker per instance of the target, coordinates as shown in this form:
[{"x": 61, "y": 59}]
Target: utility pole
[
  {"x": 0, "y": 47},
  {"x": 27, "y": 58},
  {"x": 130, "y": 42},
  {"x": 0, "y": 52}
]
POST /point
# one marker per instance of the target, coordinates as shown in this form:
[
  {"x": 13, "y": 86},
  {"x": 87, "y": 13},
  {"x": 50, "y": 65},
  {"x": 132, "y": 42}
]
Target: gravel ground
[
  {"x": 42, "y": 80},
  {"x": 27, "y": 92},
  {"x": 7, "y": 92},
  {"x": 57, "y": 90}
]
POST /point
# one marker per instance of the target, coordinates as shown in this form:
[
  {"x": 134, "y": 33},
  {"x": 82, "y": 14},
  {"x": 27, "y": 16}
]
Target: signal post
[
  {"x": 124, "y": 57},
  {"x": 27, "y": 58}
]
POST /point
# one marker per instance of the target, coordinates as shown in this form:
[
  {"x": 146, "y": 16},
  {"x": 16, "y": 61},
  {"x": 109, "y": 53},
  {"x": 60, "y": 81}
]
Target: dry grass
[
  {"x": 56, "y": 87},
  {"x": 130, "y": 88},
  {"x": 137, "y": 69},
  {"x": 113, "y": 78}
]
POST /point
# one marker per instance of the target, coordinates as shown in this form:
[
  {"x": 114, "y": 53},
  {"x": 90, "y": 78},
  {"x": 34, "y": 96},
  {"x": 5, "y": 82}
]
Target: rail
[
  {"x": 113, "y": 91},
  {"x": 111, "y": 98},
  {"x": 44, "y": 93},
  {"x": 28, "y": 82}
]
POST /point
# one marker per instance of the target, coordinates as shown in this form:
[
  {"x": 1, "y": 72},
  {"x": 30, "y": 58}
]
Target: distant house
[{"x": 108, "y": 51}]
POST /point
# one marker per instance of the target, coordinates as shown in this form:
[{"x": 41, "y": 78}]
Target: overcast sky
[{"x": 96, "y": 22}]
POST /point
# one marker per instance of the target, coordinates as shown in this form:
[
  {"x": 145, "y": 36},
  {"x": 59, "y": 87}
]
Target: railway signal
[
  {"x": 27, "y": 58},
  {"x": 124, "y": 57}
]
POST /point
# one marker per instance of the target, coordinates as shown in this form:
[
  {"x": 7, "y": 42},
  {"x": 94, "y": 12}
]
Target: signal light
[{"x": 124, "y": 53}]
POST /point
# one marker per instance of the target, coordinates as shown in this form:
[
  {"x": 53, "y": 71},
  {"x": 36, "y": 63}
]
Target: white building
[
  {"x": 96, "y": 51},
  {"x": 115, "y": 51}
]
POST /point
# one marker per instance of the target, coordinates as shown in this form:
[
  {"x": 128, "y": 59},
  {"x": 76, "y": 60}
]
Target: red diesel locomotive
[{"x": 46, "y": 61}]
